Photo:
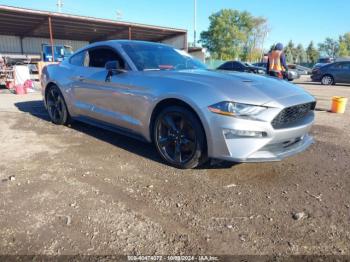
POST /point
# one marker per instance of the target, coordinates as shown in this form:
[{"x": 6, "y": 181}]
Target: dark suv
[{"x": 338, "y": 72}]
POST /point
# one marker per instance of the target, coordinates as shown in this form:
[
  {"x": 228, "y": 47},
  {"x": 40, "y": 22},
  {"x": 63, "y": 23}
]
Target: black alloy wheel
[
  {"x": 179, "y": 137},
  {"x": 56, "y": 106}
]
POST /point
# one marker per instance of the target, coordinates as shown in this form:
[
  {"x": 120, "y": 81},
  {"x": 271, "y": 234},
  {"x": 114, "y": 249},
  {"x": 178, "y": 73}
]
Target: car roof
[
  {"x": 114, "y": 43},
  {"x": 233, "y": 61},
  {"x": 339, "y": 62},
  {"x": 123, "y": 41},
  {"x": 238, "y": 62},
  {"x": 326, "y": 66}
]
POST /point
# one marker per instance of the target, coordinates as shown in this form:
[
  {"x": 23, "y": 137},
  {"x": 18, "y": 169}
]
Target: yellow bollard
[{"x": 339, "y": 104}]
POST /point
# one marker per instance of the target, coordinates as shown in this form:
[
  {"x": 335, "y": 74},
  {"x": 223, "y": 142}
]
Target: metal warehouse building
[{"x": 23, "y": 31}]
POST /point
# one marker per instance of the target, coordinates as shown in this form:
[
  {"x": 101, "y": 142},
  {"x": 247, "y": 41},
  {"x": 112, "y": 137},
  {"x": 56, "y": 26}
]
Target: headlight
[{"x": 236, "y": 109}]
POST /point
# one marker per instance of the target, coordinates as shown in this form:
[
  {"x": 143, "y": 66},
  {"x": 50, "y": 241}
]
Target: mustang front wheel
[
  {"x": 179, "y": 137},
  {"x": 56, "y": 106}
]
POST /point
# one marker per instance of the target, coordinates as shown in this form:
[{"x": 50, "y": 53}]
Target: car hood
[
  {"x": 319, "y": 65},
  {"x": 238, "y": 87},
  {"x": 258, "y": 68}
]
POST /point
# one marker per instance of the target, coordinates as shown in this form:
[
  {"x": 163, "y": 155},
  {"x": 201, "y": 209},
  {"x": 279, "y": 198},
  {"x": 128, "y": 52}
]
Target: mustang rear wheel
[
  {"x": 179, "y": 138},
  {"x": 56, "y": 106}
]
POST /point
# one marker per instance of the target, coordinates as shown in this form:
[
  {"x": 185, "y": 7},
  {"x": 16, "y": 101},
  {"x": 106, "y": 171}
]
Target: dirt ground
[{"x": 83, "y": 190}]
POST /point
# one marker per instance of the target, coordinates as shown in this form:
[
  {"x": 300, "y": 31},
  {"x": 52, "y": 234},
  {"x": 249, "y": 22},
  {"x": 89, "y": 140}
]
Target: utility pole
[
  {"x": 119, "y": 15},
  {"x": 59, "y": 5},
  {"x": 195, "y": 24}
]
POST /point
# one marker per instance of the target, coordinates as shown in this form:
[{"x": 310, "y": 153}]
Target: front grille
[{"x": 292, "y": 114}]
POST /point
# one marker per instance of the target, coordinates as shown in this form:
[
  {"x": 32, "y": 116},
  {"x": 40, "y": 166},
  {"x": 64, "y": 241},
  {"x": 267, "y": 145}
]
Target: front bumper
[
  {"x": 279, "y": 151},
  {"x": 293, "y": 75},
  {"x": 315, "y": 77},
  {"x": 275, "y": 146}
]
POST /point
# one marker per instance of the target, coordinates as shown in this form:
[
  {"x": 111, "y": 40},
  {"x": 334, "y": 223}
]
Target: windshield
[
  {"x": 324, "y": 60},
  {"x": 159, "y": 57}
]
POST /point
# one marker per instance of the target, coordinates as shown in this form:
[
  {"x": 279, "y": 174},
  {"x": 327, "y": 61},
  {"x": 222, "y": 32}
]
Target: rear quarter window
[{"x": 78, "y": 59}]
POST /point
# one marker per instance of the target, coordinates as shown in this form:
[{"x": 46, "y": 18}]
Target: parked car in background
[
  {"x": 153, "y": 92},
  {"x": 292, "y": 74},
  {"x": 261, "y": 64},
  {"x": 302, "y": 70},
  {"x": 330, "y": 74},
  {"x": 242, "y": 67},
  {"x": 323, "y": 61},
  {"x": 61, "y": 52}
]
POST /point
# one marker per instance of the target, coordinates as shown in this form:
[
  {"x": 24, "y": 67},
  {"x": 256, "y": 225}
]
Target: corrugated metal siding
[
  {"x": 177, "y": 41},
  {"x": 10, "y": 44},
  {"x": 31, "y": 45}
]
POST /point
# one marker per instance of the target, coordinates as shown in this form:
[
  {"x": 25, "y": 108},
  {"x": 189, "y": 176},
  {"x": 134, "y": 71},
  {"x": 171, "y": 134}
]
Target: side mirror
[{"x": 113, "y": 68}]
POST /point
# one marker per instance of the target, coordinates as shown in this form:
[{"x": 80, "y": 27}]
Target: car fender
[{"x": 199, "y": 112}]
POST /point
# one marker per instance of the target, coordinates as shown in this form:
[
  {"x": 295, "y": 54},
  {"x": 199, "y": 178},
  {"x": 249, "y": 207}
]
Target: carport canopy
[{"x": 34, "y": 23}]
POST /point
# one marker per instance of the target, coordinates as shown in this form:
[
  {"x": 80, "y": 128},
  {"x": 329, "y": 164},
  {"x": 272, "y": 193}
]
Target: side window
[
  {"x": 86, "y": 61},
  {"x": 337, "y": 66},
  {"x": 78, "y": 59},
  {"x": 226, "y": 66},
  {"x": 98, "y": 57},
  {"x": 237, "y": 66},
  {"x": 346, "y": 66}
]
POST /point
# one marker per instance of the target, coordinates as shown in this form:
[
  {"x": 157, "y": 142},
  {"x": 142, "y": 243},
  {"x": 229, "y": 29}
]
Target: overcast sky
[{"x": 297, "y": 20}]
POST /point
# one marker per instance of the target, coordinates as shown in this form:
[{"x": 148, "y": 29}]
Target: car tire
[
  {"x": 327, "y": 80},
  {"x": 179, "y": 137},
  {"x": 56, "y": 106}
]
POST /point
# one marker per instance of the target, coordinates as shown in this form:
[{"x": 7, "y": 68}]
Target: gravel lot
[{"x": 83, "y": 190}]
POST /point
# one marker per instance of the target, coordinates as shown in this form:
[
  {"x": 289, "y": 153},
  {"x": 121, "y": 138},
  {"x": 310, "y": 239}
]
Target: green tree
[
  {"x": 231, "y": 34},
  {"x": 289, "y": 51},
  {"x": 256, "y": 36},
  {"x": 344, "y": 45},
  {"x": 312, "y": 53},
  {"x": 329, "y": 47},
  {"x": 299, "y": 54}
]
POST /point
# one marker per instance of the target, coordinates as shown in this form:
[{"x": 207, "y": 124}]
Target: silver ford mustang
[{"x": 162, "y": 95}]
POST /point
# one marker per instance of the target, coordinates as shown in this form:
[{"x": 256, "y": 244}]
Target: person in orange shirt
[{"x": 276, "y": 63}]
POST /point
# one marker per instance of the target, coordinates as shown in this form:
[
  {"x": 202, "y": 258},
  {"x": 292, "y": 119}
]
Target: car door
[
  {"x": 347, "y": 73},
  {"x": 100, "y": 98},
  {"x": 344, "y": 72},
  {"x": 78, "y": 64}
]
